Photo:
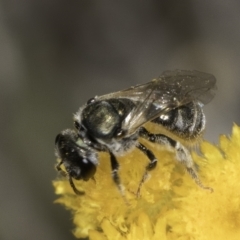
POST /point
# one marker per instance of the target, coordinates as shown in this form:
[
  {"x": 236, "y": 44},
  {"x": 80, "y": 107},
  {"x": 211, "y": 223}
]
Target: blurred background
[{"x": 55, "y": 55}]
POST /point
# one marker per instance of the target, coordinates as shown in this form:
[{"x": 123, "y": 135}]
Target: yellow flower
[{"x": 171, "y": 205}]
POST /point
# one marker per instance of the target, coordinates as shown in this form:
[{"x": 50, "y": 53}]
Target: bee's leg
[
  {"x": 150, "y": 166},
  {"x": 157, "y": 138},
  {"x": 115, "y": 176},
  {"x": 183, "y": 156},
  {"x": 182, "y": 153}
]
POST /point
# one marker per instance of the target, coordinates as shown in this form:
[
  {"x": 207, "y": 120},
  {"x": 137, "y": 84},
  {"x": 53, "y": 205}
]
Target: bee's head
[{"x": 79, "y": 159}]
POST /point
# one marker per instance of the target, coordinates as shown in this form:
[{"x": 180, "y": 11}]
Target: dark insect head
[{"x": 78, "y": 159}]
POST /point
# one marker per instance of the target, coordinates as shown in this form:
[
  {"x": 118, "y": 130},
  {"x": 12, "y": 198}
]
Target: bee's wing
[{"x": 172, "y": 89}]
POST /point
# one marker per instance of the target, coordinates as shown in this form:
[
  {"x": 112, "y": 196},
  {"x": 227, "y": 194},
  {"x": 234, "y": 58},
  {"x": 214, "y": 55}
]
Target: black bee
[{"x": 115, "y": 122}]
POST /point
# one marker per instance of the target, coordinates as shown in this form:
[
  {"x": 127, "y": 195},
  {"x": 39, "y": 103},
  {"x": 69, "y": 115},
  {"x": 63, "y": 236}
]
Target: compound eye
[
  {"x": 85, "y": 169},
  {"x": 88, "y": 169}
]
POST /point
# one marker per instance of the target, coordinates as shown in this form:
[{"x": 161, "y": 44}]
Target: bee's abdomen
[{"x": 187, "y": 121}]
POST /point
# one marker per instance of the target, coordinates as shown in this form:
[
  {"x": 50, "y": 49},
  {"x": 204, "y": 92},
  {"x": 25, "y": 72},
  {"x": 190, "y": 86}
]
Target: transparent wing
[{"x": 172, "y": 89}]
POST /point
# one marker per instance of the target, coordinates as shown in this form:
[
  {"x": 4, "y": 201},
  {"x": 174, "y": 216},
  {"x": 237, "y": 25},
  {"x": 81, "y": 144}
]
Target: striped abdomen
[{"x": 187, "y": 121}]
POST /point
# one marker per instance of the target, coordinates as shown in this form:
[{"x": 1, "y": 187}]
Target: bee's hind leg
[
  {"x": 184, "y": 157},
  {"x": 150, "y": 166},
  {"x": 182, "y": 153}
]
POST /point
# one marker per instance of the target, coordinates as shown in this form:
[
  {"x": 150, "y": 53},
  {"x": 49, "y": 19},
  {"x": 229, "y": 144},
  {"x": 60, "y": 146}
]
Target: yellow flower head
[{"x": 171, "y": 205}]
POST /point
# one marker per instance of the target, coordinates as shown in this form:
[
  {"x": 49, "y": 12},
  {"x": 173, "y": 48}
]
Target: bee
[{"x": 115, "y": 122}]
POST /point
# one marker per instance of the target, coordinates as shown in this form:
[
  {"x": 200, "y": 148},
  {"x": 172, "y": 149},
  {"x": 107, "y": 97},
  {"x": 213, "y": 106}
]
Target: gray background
[{"x": 56, "y": 54}]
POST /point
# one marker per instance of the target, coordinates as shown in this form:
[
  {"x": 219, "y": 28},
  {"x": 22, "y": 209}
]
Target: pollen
[{"x": 170, "y": 206}]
